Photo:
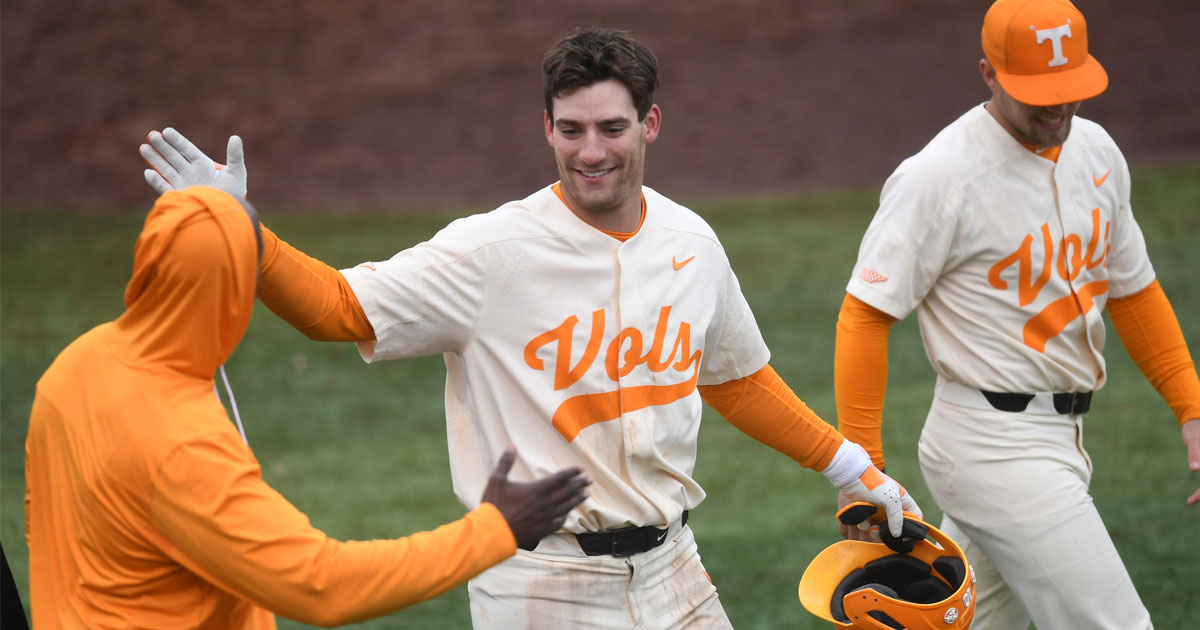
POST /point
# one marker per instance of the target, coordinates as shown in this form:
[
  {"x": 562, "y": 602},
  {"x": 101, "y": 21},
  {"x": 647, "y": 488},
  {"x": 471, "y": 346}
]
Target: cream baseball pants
[
  {"x": 557, "y": 587},
  {"x": 1014, "y": 490}
]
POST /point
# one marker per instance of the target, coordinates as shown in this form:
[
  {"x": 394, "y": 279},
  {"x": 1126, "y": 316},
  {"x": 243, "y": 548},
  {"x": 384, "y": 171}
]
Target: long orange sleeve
[
  {"x": 308, "y": 294},
  {"x": 223, "y": 522},
  {"x": 1150, "y": 331},
  {"x": 860, "y": 373},
  {"x": 765, "y": 408}
]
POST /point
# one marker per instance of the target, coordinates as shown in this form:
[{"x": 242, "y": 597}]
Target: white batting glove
[
  {"x": 852, "y": 473},
  {"x": 176, "y": 163}
]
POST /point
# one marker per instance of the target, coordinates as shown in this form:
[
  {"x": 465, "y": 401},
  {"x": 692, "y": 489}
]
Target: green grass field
[{"x": 362, "y": 449}]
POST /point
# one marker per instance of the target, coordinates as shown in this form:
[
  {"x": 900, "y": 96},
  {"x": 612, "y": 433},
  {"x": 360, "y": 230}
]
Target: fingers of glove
[
  {"x": 167, "y": 151},
  {"x": 156, "y": 181},
  {"x": 157, "y": 161},
  {"x": 910, "y": 505},
  {"x": 895, "y": 512},
  {"x": 184, "y": 146}
]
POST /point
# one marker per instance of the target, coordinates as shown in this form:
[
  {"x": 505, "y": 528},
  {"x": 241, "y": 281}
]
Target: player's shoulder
[
  {"x": 519, "y": 219},
  {"x": 1089, "y": 133},
  {"x": 671, "y": 215},
  {"x": 958, "y": 146},
  {"x": 967, "y": 148}
]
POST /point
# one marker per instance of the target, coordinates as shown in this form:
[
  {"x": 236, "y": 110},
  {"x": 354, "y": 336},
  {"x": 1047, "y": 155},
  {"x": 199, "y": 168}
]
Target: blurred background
[
  {"x": 409, "y": 103},
  {"x": 369, "y": 125}
]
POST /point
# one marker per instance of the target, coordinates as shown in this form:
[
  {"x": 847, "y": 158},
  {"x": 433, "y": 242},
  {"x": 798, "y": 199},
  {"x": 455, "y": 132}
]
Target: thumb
[
  {"x": 506, "y": 462},
  {"x": 235, "y": 156}
]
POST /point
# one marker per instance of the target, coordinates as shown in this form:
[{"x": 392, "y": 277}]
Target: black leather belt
[
  {"x": 1069, "y": 403},
  {"x": 623, "y": 542}
]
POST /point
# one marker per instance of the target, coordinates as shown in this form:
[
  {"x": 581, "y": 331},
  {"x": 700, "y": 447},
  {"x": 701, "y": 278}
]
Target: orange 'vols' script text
[
  {"x": 1072, "y": 259},
  {"x": 624, "y": 353}
]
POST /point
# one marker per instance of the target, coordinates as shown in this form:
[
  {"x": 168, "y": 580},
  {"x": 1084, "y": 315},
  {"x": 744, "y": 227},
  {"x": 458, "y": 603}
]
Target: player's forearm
[
  {"x": 348, "y": 582},
  {"x": 1150, "y": 331},
  {"x": 309, "y": 294},
  {"x": 224, "y": 523},
  {"x": 765, "y": 408},
  {"x": 860, "y": 372}
]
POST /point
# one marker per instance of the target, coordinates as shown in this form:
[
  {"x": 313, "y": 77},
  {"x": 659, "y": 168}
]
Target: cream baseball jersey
[
  {"x": 1007, "y": 257},
  {"x": 574, "y": 346}
]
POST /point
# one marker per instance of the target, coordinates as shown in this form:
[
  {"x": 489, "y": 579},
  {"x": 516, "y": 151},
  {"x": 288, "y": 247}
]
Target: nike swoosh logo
[
  {"x": 661, "y": 536},
  {"x": 1100, "y": 180},
  {"x": 679, "y": 264}
]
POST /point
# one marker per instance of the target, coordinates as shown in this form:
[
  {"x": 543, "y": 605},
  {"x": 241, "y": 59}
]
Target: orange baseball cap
[{"x": 1039, "y": 49}]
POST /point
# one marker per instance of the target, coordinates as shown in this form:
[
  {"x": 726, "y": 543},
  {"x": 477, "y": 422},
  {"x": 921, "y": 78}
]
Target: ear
[
  {"x": 989, "y": 74},
  {"x": 652, "y": 123},
  {"x": 549, "y": 127}
]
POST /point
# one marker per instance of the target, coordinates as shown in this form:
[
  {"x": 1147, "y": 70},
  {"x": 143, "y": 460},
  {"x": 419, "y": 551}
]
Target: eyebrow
[{"x": 619, "y": 120}]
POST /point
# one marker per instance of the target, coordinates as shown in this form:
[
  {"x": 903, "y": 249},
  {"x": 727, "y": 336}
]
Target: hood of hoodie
[{"x": 195, "y": 271}]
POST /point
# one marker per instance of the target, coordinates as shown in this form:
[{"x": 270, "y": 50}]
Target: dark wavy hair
[{"x": 591, "y": 55}]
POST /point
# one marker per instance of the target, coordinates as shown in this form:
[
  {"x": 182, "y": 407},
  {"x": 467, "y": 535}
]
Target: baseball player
[
  {"x": 145, "y": 508},
  {"x": 1009, "y": 234},
  {"x": 585, "y": 324}
]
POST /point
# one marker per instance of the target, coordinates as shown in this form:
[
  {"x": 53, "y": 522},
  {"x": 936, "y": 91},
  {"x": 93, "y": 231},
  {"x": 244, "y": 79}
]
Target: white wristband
[{"x": 848, "y": 463}]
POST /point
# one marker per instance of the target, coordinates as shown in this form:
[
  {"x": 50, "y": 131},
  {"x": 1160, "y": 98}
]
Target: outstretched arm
[
  {"x": 216, "y": 516},
  {"x": 765, "y": 408},
  {"x": 301, "y": 290},
  {"x": 309, "y": 294},
  {"x": 1150, "y": 331}
]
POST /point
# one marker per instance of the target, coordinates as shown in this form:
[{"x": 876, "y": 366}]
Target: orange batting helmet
[{"x": 920, "y": 580}]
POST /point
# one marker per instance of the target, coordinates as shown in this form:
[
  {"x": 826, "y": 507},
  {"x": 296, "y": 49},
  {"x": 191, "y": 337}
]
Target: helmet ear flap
[
  {"x": 879, "y": 615},
  {"x": 911, "y": 533},
  {"x": 883, "y": 589}
]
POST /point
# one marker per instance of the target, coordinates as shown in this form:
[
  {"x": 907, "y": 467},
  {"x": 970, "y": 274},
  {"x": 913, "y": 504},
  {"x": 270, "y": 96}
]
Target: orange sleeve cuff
[
  {"x": 860, "y": 373},
  {"x": 1150, "y": 331},
  {"x": 765, "y": 408},
  {"x": 310, "y": 295}
]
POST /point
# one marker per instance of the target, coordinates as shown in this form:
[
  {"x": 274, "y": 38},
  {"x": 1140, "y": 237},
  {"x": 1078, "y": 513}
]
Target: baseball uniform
[
  {"x": 586, "y": 348},
  {"x": 1009, "y": 259}
]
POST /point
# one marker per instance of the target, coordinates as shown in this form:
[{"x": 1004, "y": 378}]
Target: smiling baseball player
[
  {"x": 584, "y": 324},
  {"x": 1009, "y": 234}
]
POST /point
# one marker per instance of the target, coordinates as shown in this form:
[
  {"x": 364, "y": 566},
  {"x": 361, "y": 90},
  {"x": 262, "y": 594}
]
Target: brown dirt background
[{"x": 365, "y": 104}]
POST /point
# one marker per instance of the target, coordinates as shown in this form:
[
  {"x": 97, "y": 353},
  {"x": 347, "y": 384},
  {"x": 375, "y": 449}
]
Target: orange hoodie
[{"x": 144, "y": 508}]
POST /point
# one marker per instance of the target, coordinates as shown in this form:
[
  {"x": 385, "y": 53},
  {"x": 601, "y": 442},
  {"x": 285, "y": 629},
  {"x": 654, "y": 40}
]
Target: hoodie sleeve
[{"x": 223, "y": 522}]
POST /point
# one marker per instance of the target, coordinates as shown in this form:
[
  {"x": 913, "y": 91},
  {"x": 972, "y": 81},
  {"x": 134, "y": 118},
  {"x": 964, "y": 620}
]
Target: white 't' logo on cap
[{"x": 1055, "y": 35}]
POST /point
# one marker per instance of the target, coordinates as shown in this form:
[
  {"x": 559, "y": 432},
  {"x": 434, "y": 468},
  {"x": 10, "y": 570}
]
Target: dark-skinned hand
[{"x": 537, "y": 508}]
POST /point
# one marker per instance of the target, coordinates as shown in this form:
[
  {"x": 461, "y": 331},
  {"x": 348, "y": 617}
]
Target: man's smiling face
[{"x": 600, "y": 148}]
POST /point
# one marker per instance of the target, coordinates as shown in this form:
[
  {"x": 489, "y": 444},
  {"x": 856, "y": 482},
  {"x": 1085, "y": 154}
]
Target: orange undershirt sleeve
[
  {"x": 1150, "y": 331},
  {"x": 860, "y": 372},
  {"x": 308, "y": 294},
  {"x": 765, "y": 408}
]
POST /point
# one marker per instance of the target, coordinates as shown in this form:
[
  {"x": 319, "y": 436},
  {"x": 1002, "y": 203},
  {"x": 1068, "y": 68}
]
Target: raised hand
[
  {"x": 537, "y": 508},
  {"x": 176, "y": 163}
]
